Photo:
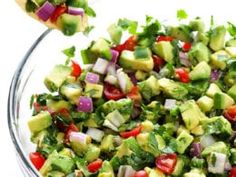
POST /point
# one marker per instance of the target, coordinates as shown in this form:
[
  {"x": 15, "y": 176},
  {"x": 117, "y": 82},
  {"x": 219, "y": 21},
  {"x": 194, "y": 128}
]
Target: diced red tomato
[
  {"x": 158, "y": 62},
  {"x": 141, "y": 173},
  {"x": 232, "y": 172},
  {"x": 164, "y": 38},
  {"x": 93, "y": 167},
  {"x": 58, "y": 12},
  {"x": 64, "y": 112},
  {"x": 112, "y": 93},
  {"x": 76, "y": 69},
  {"x": 166, "y": 163},
  {"x": 129, "y": 44},
  {"x": 71, "y": 128},
  {"x": 38, "y": 107},
  {"x": 230, "y": 113},
  {"x": 135, "y": 95},
  {"x": 182, "y": 74},
  {"x": 131, "y": 133},
  {"x": 37, "y": 159},
  {"x": 186, "y": 47}
]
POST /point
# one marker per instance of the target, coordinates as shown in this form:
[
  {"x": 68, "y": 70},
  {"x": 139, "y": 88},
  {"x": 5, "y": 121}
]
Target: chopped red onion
[
  {"x": 75, "y": 11},
  {"x": 170, "y": 104},
  {"x": 85, "y": 104},
  {"x": 92, "y": 78},
  {"x": 115, "y": 55},
  {"x": 111, "y": 69},
  {"x": 215, "y": 74},
  {"x": 101, "y": 66},
  {"x": 95, "y": 134},
  {"x": 45, "y": 11},
  {"x": 133, "y": 78},
  {"x": 78, "y": 137},
  {"x": 184, "y": 59},
  {"x": 196, "y": 149}
]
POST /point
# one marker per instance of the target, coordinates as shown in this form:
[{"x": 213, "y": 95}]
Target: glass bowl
[{"x": 46, "y": 52}]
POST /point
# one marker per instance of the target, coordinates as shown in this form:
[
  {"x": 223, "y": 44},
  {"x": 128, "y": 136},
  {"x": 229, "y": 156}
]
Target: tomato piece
[
  {"x": 37, "y": 159},
  {"x": 182, "y": 74},
  {"x": 71, "y": 128},
  {"x": 166, "y": 162},
  {"x": 164, "y": 38},
  {"x": 76, "y": 69},
  {"x": 131, "y": 133},
  {"x": 58, "y": 12},
  {"x": 93, "y": 167},
  {"x": 129, "y": 44},
  {"x": 230, "y": 113},
  {"x": 38, "y": 107},
  {"x": 232, "y": 172},
  {"x": 135, "y": 95},
  {"x": 112, "y": 93},
  {"x": 158, "y": 62},
  {"x": 186, "y": 47},
  {"x": 64, "y": 112},
  {"x": 141, "y": 173}
]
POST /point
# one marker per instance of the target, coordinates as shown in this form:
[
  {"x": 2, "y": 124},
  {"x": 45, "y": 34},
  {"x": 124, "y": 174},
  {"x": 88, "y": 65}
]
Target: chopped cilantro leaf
[
  {"x": 90, "y": 12},
  {"x": 30, "y": 6},
  {"x": 129, "y": 25},
  {"x": 231, "y": 29},
  {"x": 181, "y": 14},
  {"x": 70, "y": 53},
  {"x": 87, "y": 30}
]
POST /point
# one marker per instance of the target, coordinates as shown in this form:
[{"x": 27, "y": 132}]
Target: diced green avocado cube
[
  {"x": 71, "y": 91},
  {"x": 233, "y": 156},
  {"x": 124, "y": 81},
  {"x": 94, "y": 90},
  {"x": 231, "y": 43},
  {"x": 106, "y": 170},
  {"x": 230, "y": 78},
  {"x": 181, "y": 32},
  {"x": 40, "y": 122},
  {"x": 147, "y": 126},
  {"x": 203, "y": 38},
  {"x": 198, "y": 53},
  {"x": 154, "y": 172},
  {"x": 183, "y": 141},
  {"x": 63, "y": 163},
  {"x": 107, "y": 144},
  {"x": 58, "y": 105},
  {"x": 66, "y": 152},
  {"x": 222, "y": 101},
  {"x": 216, "y": 162},
  {"x": 128, "y": 60},
  {"x": 39, "y": 2},
  {"x": 218, "y": 59},
  {"x": 195, "y": 173},
  {"x": 140, "y": 75},
  {"x": 198, "y": 163},
  {"x": 149, "y": 87},
  {"x": 92, "y": 153},
  {"x": 232, "y": 92},
  {"x": 197, "y": 131},
  {"x": 212, "y": 90},
  {"x": 115, "y": 33},
  {"x": 178, "y": 167},
  {"x": 101, "y": 48},
  {"x": 231, "y": 51},
  {"x": 219, "y": 147},
  {"x": 217, "y": 38},
  {"x": 205, "y": 103},
  {"x": 115, "y": 118},
  {"x": 69, "y": 24},
  {"x": 191, "y": 114},
  {"x": 201, "y": 71},
  {"x": 165, "y": 50},
  {"x": 55, "y": 174},
  {"x": 56, "y": 77},
  {"x": 197, "y": 24},
  {"x": 81, "y": 148},
  {"x": 173, "y": 89}
]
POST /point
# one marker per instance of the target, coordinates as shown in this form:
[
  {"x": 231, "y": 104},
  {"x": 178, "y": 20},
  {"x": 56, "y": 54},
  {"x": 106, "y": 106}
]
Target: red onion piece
[
  {"x": 196, "y": 149},
  {"x": 115, "y": 55},
  {"x": 101, "y": 66},
  {"x": 75, "y": 11},
  {"x": 215, "y": 74},
  {"x": 111, "y": 69},
  {"x": 133, "y": 78},
  {"x": 45, "y": 11},
  {"x": 85, "y": 104},
  {"x": 184, "y": 59},
  {"x": 92, "y": 78},
  {"x": 78, "y": 137}
]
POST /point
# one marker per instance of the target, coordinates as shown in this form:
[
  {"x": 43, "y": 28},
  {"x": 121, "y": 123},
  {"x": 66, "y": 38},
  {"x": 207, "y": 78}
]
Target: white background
[{"x": 18, "y": 32}]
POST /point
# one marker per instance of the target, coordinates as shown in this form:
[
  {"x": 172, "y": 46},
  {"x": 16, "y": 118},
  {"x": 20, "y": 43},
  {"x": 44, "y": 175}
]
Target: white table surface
[{"x": 18, "y": 32}]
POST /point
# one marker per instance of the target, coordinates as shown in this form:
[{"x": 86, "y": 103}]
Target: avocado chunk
[
  {"x": 69, "y": 24},
  {"x": 198, "y": 53},
  {"x": 149, "y": 87},
  {"x": 71, "y": 91},
  {"x": 94, "y": 90},
  {"x": 231, "y": 43},
  {"x": 115, "y": 33},
  {"x": 56, "y": 77},
  {"x": 219, "y": 147},
  {"x": 222, "y": 101},
  {"x": 58, "y": 105},
  {"x": 128, "y": 60},
  {"x": 183, "y": 141},
  {"x": 205, "y": 103},
  {"x": 232, "y": 92},
  {"x": 40, "y": 122},
  {"x": 172, "y": 89},
  {"x": 154, "y": 172},
  {"x": 178, "y": 167},
  {"x": 92, "y": 153},
  {"x": 77, "y": 3},
  {"x": 165, "y": 50},
  {"x": 124, "y": 81},
  {"x": 191, "y": 114},
  {"x": 217, "y": 38},
  {"x": 106, "y": 170},
  {"x": 101, "y": 48},
  {"x": 55, "y": 174},
  {"x": 200, "y": 71},
  {"x": 181, "y": 32},
  {"x": 197, "y": 24},
  {"x": 230, "y": 78},
  {"x": 203, "y": 38},
  {"x": 218, "y": 59},
  {"x": 107, "y": 144},
  {"x": 216, "y": 162},
  {"x": 212, "y": 90},
  {"x": 231, "y": 51},
  {"x": 195, "y": 173}
]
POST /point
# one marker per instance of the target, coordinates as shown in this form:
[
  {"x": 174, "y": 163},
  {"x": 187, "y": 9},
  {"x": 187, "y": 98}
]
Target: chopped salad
[{"x": 161, "y": 103}]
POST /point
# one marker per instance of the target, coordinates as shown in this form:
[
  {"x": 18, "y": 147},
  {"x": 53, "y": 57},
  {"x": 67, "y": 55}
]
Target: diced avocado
[
  {"x": 39, "y": 2},
  {"x": 40, "y": 121},
  {"x": 147, "y": 126},
  {"x": 233, "y": 156},
  {"x": 181, "y": 32},
  {"x": 183, "y": 141},
  {"x": 111, "y": 79},
  {"x": 127, "y": 60},
  {"x": 219, "y": 147},
  {"x": 218, "y": 59},
  {"x": 178, "y": 167},
  {"x": 191, "y": 114},
  {"x": 115, "y": 33},
  {"x": 212, "y": 90},
  {"x": 195, "y": 173},
  {"x": 69, "y": 24},
  {"x": 149, "y": 87},
  {"x": 140, "y": 75},
  {"x": 71, "y": 91},
  {"x": 197, "y": 24},
  {"x": 92, "y": 153},
  {"x": 91, "y": 121},
  {"x": 216, "y": 162},
  {"x": 201, "y": 71},
  {"x": 165, "y": 50},
  {"x": 151, "y": 111},
  {"x": 154, "y": 172},
  {"x": 231, "y": 43},
  {"x": 56, "y": 77},
  {"x": 198, "y": 130},
  {"x": 67, "y": 152},
  {"x": 115, "y": 118},
  {"x": 231, "y": 51},
  {"x": 102, "y": 49},
  {"x": 197, "y": 162},
  {"x": 205, "y": 103},
  {"x": 107, "y": 143},
  {"x": 55, "y": 174},
  {"x": 232, "y": 92},
  {"x": 94, "y": 90},
  {"x": 80, "y": 148},
  {"x": 182, "y": 128},
  {"x": 217, "y": 38},
  {"x": 106, "y": 170},
  {"x": 108, "y": 124},
  {"x": 203, "y": 38},
  {"x": 199, "y": 52},
  {"x": 173, "y": 89},
  {"x": 123, "y": 150},
  {"x": 230, "y": 78},
  {"x": 222, "y": 101},
  {"x": 57, "y": 105},
  {"x": 124, "y": 81}
]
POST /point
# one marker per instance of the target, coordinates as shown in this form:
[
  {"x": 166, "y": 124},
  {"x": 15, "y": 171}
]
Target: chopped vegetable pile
[{"x": 161, "y": 103}]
